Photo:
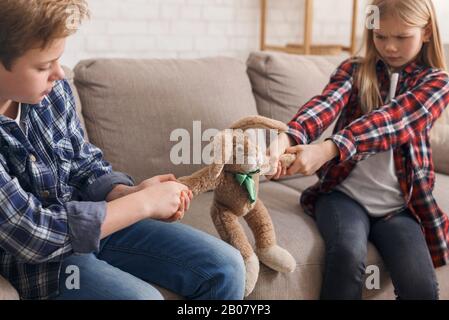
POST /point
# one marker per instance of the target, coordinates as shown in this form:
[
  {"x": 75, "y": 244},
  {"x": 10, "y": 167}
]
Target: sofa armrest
[{"x": 7, "y": 292}]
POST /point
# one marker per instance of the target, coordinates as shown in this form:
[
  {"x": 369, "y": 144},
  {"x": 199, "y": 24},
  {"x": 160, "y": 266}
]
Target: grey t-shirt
[{"x": 374, "y": 184}]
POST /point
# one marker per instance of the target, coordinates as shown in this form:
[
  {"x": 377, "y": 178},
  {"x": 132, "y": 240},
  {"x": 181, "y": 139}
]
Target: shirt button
[
  {"x": 45, "y": 194},
  {"x": 33, "y": 158}
]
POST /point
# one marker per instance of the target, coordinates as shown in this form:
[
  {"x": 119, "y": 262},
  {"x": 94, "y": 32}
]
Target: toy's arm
[{"x": 200, "y": 181}]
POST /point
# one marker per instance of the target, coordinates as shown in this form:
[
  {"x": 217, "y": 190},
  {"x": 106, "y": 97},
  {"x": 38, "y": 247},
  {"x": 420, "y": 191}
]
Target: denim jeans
[
  {"x": 175, "y": 256},
  {"x": 346, "y": 229}
]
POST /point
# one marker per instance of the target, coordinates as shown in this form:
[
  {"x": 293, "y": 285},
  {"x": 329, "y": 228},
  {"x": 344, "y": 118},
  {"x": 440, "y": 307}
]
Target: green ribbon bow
[{"x": 247, "y": 179}]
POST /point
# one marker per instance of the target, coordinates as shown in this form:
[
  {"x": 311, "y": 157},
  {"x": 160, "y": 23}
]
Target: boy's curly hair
[{"x": 28, "y": 24}]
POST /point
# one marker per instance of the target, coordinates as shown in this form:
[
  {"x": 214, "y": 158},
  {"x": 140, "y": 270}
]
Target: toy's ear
[
  {"x": 259, "y": 122},
  {"x": 223, "y": 149}
]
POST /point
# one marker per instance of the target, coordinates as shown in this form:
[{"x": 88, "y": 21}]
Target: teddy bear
[{"x": 236, "y": 186}]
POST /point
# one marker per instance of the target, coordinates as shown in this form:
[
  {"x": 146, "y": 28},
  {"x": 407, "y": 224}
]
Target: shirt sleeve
[
  {"x": 90, "y": 173},
  {"x": 35, "y": 234},
  {"x": 408, "y": 115},
  {"x": 317, "y": 115}
]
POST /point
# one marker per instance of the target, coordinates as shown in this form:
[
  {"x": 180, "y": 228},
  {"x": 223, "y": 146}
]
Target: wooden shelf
[{"x": 308, "y": 47}]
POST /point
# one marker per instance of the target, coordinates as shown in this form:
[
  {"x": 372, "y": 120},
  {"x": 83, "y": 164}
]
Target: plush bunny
[{"x": 236, "y": 185}]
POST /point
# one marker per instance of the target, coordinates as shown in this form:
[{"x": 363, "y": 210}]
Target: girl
[{"x": 376, "y": 171}]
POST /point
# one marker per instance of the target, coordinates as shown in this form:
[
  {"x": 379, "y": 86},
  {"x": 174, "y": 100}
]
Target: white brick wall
[{"x": 198, "y": 28}]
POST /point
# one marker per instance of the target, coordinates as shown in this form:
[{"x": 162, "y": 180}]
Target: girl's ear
[{"x": 427, "y": 33}]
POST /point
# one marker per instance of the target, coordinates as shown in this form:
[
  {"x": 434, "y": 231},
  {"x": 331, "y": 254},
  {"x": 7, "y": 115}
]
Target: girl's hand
[
  {"x": 274, "y": 151},
  {"x": 310, "y": 158}
]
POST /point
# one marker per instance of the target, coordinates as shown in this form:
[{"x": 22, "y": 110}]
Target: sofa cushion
[
  {"x": 7, "y": 292},
  {"x": 296, "y": 232},
  {"x": 131, "y": 107},
  {"x": 439, "y": 140},
  {"x": 440, "y": 191},
  {"x": 282, "y": 83}
]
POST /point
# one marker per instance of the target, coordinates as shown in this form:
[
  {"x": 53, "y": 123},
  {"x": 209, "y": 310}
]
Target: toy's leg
[
  {"x": 231, "y": 231},
  {"x": 267, "y": 250}
]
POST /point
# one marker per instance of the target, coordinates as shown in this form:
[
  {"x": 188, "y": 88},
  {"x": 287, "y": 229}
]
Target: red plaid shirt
[{"x": 402, "y": 125}]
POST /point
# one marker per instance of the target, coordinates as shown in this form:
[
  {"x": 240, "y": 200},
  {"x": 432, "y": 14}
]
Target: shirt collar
[
  {"x": 411, "y": 68},
  {"x": 25, "y": 109},
  {"x": 19, "y": 112}
]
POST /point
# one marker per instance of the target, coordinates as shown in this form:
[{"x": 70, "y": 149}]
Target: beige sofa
[{"x": 131, "y": 107}]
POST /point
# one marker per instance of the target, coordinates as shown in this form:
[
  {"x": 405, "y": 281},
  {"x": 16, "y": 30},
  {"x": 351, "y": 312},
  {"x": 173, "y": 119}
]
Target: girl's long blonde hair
[{"x": 414, "y": 13}]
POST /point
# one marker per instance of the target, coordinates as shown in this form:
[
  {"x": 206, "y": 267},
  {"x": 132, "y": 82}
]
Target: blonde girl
[{"x": 376, "y": 171}]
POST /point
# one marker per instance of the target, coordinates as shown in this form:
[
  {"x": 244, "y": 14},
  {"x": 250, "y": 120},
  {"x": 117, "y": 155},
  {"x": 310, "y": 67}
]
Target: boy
[{"x": 62, "y": 205}]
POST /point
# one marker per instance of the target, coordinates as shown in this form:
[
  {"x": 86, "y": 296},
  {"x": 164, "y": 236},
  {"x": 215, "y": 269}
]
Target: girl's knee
[
  {"x": 422, "y": 287},
  {"x": 351, "y": 253},
  {"x": 349, "y": 256}
]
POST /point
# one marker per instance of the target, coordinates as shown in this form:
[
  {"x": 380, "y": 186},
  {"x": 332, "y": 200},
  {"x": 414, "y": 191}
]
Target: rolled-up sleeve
[
  {"x": 85, "y": 220},
  {"x": 99, "y": 189},
  {"x": 34, "y": 233}
]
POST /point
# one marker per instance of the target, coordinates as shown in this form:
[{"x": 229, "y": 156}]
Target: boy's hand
[
  {"x": 155, "y": 180},
  {"x": 122, "y": 190},
  {"x": 310, "y": 158},
  {"x": 186, "y": 196},
  {"x": 166, "y": 201}
]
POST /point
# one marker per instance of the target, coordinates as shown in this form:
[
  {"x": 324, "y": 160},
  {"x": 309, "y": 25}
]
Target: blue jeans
[
  {"x": 346, "y": 228},
  {"x": 175, "y": 256}
]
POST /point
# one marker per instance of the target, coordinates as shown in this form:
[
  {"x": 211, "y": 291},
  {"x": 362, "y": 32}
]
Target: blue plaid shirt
[{"x": 53, "y": 186}]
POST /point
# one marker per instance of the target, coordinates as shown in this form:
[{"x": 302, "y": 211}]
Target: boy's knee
[
  {"x": 230, "y": 277},
  {"x": 147, "y": 293},
  {"x": 235, "y": 266}
]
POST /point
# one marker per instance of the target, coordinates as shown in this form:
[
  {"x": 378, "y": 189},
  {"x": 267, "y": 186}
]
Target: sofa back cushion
[
  {"x": 131, "y": 107},
  {"x": 282, "y": 83}
]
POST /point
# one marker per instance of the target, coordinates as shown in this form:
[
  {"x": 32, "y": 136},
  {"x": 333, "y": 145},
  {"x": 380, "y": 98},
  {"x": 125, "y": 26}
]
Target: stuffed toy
[{"x": 236, "y": 186}]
